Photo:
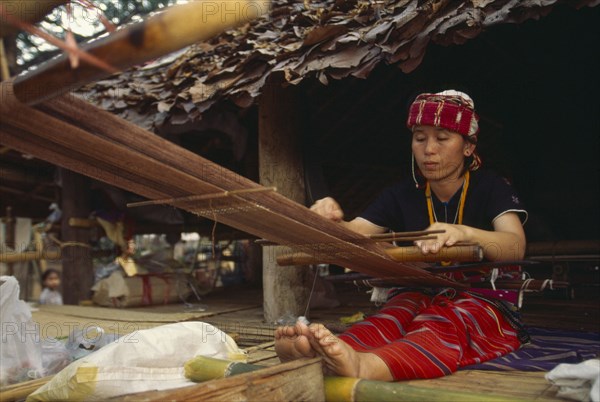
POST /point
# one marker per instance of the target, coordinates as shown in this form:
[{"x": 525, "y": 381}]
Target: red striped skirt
[{"x": 422, "y": 336}]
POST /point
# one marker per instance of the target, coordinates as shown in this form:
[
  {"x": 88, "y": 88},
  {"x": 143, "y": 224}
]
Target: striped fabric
[
  {"x": 547, "y": 349},
  {"x": 423, "y": 336}
]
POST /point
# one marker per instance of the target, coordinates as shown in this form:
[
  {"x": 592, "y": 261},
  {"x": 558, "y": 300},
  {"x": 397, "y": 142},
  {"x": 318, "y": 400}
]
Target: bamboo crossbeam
[
  {"x": 9, "y": 257},
  {"x": 359, "y": 390},
  {"x": 400, "y": 254},
  {"x": 175, "y": 28},
  {"x": 110, "y": 149},
  {"x": 201, "y": 197}
]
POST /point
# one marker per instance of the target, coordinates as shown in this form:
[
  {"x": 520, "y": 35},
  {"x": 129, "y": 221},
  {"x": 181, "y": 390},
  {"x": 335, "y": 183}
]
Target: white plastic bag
[
  {"x": 55, "y": 356},
  {"x": 146, "y": 360},
  {"x": 20, "y": 348}
]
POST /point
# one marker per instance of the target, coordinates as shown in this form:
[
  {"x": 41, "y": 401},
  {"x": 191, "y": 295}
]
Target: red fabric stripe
[{"x": 442, "y": 334}]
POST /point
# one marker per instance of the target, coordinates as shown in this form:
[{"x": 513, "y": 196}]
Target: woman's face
[{"x": 439, "y": 153}]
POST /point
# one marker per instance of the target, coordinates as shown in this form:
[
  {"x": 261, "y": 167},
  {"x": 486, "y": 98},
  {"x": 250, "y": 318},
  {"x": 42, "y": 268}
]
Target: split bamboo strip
[
  {"x": 117, "y": 152},
  {"x": 20, "y": 391},
  {"x": 176, "y": 27},
  {"x": 282, "y": 382},
  {"x": 202, "y": 368},
  {"x": 400, "y": 254},
  {"x": 264, "y": 345}
]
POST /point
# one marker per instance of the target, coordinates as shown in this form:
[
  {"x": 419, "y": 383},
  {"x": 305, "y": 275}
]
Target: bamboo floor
[{"x": 238, "y": 311}]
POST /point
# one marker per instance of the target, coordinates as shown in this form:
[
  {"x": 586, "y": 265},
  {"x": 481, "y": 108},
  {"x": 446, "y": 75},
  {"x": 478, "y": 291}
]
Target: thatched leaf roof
[{"x": 329, "y": 39}]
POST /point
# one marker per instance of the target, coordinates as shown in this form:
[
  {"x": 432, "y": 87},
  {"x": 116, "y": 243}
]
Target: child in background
[{"x": 51, "y": 283}]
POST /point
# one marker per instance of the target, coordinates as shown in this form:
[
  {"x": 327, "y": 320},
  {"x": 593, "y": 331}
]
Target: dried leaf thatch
[{"x": 330, "y": 39}]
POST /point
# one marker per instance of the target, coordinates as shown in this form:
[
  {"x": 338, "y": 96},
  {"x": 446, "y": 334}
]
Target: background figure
[{"x": 51, "y": 284}]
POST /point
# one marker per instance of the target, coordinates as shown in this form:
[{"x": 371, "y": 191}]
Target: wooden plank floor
[{"x": 238, "y": 312}]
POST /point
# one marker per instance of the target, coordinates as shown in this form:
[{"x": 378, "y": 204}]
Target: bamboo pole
[
  {"x": 83, "y": 223},
  {"x": 358, "y": 390},
  {"x": 344, "y": 388},
  {"x": 467, "y": 253},
  {"x": 176, "y": 27},
  {"x": 10, "y": 258},
  {"x": 20, "y": 391},
  {"x": 4, "y": 70},
  {"x": 39, "y": 247}
]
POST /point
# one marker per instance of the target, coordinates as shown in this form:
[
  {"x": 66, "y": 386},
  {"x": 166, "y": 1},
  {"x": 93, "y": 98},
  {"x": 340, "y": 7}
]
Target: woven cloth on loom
[{"x": 547, "y": 349}]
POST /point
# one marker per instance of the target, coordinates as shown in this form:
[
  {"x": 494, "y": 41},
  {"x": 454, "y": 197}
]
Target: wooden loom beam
[
  {"x": 468, "y": 253},
  {"x": 110, "y": 149}
]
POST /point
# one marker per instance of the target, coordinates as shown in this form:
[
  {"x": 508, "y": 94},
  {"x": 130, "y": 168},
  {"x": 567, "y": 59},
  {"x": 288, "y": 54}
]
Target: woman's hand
[
  {"x": 505, "y": 243},
  {"x": 328, "y": 208},
  {"x": 452, "y": 235}
]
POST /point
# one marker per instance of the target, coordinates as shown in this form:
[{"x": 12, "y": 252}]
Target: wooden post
[
  {"x": 77, "y": 269},
  {"x": 286, "y": 290}
]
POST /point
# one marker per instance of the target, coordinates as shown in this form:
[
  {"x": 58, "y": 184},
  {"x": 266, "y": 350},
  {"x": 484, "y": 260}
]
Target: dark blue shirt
[{"x": 402, "y": 207}]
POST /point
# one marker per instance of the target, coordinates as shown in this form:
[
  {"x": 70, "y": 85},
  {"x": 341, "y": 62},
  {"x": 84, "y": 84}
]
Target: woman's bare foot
[
  {"x": 291, "y": 342},
  {"x": 342, "y": 360}
]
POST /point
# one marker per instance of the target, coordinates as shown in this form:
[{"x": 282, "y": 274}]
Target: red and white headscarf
[{"x": 452, "y": 110}]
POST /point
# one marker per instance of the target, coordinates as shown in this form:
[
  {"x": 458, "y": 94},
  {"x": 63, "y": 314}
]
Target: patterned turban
[{"x": 452, "y": 110}]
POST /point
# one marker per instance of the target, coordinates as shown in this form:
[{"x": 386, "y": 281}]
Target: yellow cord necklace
[
  {"x": 461, "y": 203},
  {"x": 460, "y": 208}
]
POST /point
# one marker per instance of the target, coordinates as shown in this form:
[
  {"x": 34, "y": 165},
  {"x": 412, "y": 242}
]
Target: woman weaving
[{"x": 426, "y": 333}]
